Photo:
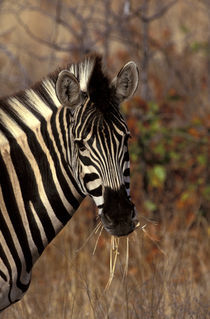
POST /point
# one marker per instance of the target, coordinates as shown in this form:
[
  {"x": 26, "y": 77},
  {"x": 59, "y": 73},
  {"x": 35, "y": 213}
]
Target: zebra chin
[{"x": 119, "y": 214}]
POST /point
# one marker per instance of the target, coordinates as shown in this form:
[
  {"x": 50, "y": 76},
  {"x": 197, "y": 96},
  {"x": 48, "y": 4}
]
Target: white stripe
[
  {"x": 39, "y": 224},
  {"x": 60, "y": 135},
  {"x": 23, "y": 113},
  {"x": 3, "y": 140},
  {"x": 67, "y": 134},
  {"x": 74, "y": 192},
  {"x": 50, "y": 88},
  {"x": 10, "y": 124},
  {"x": 37, "y": 103},
  {"x": 15, "y": 291},
  {"x": 21, "y": 210},
  {"x": 93, "y": 184},
  {"x": 98, "y": 200},
  {"x": 85, "y": 69},
  {"x": 34, "y": 165}
]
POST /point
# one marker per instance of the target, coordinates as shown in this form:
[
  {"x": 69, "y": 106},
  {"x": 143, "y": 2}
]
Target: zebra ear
[
  {"x": 67, "y": 89},
  {"x": 126, "y": 82}
]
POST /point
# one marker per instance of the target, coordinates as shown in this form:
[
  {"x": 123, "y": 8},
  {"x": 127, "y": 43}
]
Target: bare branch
[
  {"x": 139, "y": 12},
  {"x": 145, "y": 61},
  {"x": 158, "y": 14},
  {"x": 56, "y": 18},
  {"x": 26, "y": 80},
  {"x": 43, "y": 41},
  {"x": 81, "y": 42},
  {"x": 6, "y": 32}
]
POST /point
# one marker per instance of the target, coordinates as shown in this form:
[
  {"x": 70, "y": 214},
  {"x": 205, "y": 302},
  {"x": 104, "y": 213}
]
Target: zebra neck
[{"x": 38, "y": 194}]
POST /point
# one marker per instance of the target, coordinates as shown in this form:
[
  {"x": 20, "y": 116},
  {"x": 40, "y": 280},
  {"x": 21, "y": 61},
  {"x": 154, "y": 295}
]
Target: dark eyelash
[{"x": 80, "y": 145}]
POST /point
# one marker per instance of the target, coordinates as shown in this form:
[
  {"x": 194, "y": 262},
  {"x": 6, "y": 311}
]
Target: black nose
[
  {"x": 118, "y": 214},
  {"x": 117, "y": 203},
  {"x": 121, "y": 229}
]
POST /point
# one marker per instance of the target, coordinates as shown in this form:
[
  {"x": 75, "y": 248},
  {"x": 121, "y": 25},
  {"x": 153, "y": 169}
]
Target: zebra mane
[
  {"x": 101, "y": 93},
  {"x": 92, "y": 78},
  {"x": 39, "y": 101},
  {"x": 94, "y": 81},
  {"x": 83, "y": 71}
]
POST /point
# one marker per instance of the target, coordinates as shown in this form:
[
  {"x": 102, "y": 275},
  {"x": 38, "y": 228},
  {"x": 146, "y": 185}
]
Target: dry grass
[
  {"x": 69, "y": 280},
  {"x": 166, "y": 274}
]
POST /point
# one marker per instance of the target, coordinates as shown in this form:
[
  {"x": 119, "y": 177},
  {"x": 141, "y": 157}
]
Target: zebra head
[{"x": 99, "y": 138}]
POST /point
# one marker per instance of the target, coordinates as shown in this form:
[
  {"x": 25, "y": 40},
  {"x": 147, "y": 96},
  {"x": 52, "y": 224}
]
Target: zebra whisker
[
  {"x": 94, "y": 231},
  {"x": 126, "y": 260},
  {"x": 114, "y": 252},
  {"x": 98, "y": 227},
  {"x": 101, "y": 227}
]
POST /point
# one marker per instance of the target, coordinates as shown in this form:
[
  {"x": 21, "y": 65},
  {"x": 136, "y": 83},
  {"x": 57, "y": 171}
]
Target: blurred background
[{"x": 169, "y": 120}]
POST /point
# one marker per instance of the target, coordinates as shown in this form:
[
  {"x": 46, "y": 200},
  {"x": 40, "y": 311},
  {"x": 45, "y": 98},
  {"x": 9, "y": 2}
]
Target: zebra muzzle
[{"x": 119, "y": 213}]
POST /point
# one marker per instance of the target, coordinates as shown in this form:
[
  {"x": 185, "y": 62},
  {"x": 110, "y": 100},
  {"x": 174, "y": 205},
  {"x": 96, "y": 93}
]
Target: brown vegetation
[{"x": 169, "y": 120}]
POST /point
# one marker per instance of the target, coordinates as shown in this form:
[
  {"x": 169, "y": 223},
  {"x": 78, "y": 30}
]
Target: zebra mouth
[
  {"x": 119, "y": 229},
  {"x": 120, "y": 233}
]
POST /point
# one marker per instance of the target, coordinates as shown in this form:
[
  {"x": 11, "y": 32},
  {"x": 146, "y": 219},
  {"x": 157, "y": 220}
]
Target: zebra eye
[{"x": 80, "y": 145}]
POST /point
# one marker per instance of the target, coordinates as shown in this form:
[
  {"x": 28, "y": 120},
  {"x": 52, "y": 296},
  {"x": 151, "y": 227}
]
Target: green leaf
[
  {"x": 185, "y": 195},
  {"x": 206, "y": 192},
  {"x": 150, "y": 205},
  {"x": 157, "y": 176},
  {"x": 153, "y": 106},
  {"x": 155, "y": 125},
  {"x": 184, "y": 29},
  {"x": 134, "y": 157},
  {"x": 202, "y": 159},
  {"x": 160, "y": 173},
  {"x": 135, "y": 152},
  {"x": 200, "y": 47},
  {"x": 174, "y": 155},
  {"x": 160, "y": 149}
]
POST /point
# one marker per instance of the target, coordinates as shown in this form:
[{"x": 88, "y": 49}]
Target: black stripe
[
  {"x": 126, "y": 172},
  {"x": 63, "y": 183},
  {"x": 44, "y": 96},
  {"x": 8, "y": 238},
  {"x": 42, "y": 161},
  {"x": 126, "y": 157},
  {"x": 35, "y": 232},
  {"x": 97, "y": 192},
  {"x": 7, "y": 265},
  {"x": 29, "y": 192},
  {"x": 48, "y": 142},
  {"x": 90, "y": 177},
  {"x": 127, "y": 185},
  {"x": 47, "y": 179},
  {"x": 2, "y": 275},
  {"x": 62, "y": 128},
  {"x": 12, "y": 208},
  {"x": 86, "y": 160},
  {"x": 100, "y": 206}
]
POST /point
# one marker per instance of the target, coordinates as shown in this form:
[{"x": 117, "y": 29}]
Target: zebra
[{"x": 60, "y": 140}]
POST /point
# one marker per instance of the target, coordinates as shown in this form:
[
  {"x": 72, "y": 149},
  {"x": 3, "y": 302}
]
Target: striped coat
[{"x": 61, "y": 140}]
